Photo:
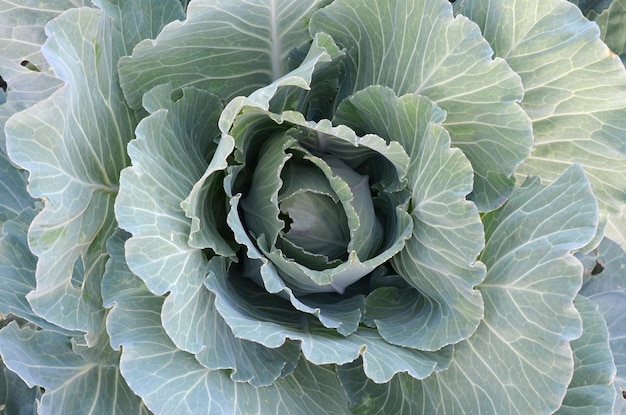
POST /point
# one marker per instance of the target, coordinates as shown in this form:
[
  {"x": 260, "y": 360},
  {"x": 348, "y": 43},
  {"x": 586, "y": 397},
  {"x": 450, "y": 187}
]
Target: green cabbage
[{"x": 311, "y": 207}]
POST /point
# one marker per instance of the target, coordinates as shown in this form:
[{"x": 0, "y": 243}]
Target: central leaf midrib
[{"x": 275, "y": 45}]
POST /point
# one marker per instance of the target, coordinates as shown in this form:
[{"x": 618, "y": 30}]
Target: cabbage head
[{"x": 313, "y": 207}]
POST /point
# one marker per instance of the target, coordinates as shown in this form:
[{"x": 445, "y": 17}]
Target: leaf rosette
[
  {"x": 295, "y": 218},
  {"x": 302, "y": 203}
]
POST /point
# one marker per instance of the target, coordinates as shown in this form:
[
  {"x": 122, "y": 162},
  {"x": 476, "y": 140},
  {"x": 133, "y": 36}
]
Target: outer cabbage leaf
[
  {"x": 159, "y": 250},
  {"x": 13, "y": 195},
  {"x": 169, "y": 154},
  {"x": 25, "y": 88},
  {"x": 230, "y": 48},
  {"x": 73, "y": 144},
  {"x": 591, "y": 390},
  {"x": 607, "y": 289},
  {"x": 519, "y": 360},
  {"x": 439, "y": 261},
  {"x": 22, "y": 28},
  {"x": 75, "y": 383},
  {"x": 574, "y": 92},
  {"x": 172, "y": 381},
  {"x": 17, "y": 269},
  {"x": 419, "y": 47},
  {"x": 15, "y": 396}
]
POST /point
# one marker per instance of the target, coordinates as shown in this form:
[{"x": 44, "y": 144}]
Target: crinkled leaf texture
[
  {"x": 439, "y": 261},
  {"x": 228, "y": 48},
  {"x": 574, "y": 93},
  {"x": 591, "y": 390},
  {"x": 519, "y": 360},
  {"x": 74, "y": 145},
  {"x": 605, "y": 285},
  {"x": 172, "y": 381},
  {"x": 77, "y": 379},
  {"x": 419, "y": 47}
]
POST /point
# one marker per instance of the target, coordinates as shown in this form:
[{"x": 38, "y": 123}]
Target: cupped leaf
[
  {"x": 334, "y": 143},
  {"x": 173, "y": 381},
  {"x": 74, "y": 145},
  {"x": 439, "y": 261},
  {"x": 227, "y": 47},
  {"x": 519, "y": 360},
  {"x": 605, "y": 285},
  {"x": 257, "y": 315},
  {"x": 591, "y": 390},
  {"x": 72, "y": 383},
  {"x": 173, "y": 148},
  {"x": 247, "y": 361},
  {"x": 574, "y": 91},
  {"x": 418, "y": 46}
]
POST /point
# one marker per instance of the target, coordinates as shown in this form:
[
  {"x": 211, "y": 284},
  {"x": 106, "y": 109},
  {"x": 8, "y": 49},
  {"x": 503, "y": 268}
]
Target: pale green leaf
[
  {"x": 417, "y": 46},
  {"x": 74, "y": 146},
  {"x": 591, "y": 390},
  {"x": 519, "y": 360},
  {"x": 606, "y": 286},
  {"x": 173, "y": 147},
  {"x": 24, "y": 89},
  {"x": 574, "y": 90},
  {"x": 172, "y": 381},
  {"x": 72, "y": 384},
  {"x": 22, "y": 28},
  {"x": 15, "y": 396},
  {"x": 227, "y": 47},
  {"x": 17, "y": 268},
  {"x": 439, "y": 261}
]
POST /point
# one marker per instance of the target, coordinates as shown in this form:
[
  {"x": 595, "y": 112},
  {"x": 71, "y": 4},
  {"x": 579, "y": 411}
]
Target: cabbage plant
[{"x": 312, "y": 207}]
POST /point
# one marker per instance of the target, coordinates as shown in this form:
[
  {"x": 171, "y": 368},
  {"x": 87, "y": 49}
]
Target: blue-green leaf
[
  {"x": 417, "y": 46},
  {"x": 74, "y": 146},
  {"x": 574, "y": 93},
  {"x": 227, "y": 47},
  {"x": 22, "y": 28},
  {"x": 439, "y": 261},
  {"x": 73, "y": 384},
  {"x": 591, "y": 390},
  {"x": 254, "y": 314},
  {"x": 519, "y": 360},
  {"x": 606, "y": 287},
  {"x": 172, "y": 381},
  {"x": 173, "y": 147}
]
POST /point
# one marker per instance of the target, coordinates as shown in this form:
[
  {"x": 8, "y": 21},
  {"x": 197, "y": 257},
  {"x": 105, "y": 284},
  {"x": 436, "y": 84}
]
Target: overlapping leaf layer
[{"x": 306, "y": 207}]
